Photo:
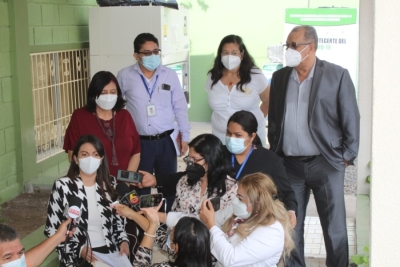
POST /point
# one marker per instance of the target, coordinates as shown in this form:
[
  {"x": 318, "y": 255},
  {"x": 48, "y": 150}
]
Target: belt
[
  {"x": 157, "y": 136},
  {"x": 303, "y": 159}
]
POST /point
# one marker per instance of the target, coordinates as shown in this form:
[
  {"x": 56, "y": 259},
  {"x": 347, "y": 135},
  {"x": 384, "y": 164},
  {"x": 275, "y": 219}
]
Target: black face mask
[{"x": 194, "y": 173}]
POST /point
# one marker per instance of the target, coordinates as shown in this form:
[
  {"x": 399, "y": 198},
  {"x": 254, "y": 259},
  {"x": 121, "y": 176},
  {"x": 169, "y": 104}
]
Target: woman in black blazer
[{"x": 247, "y": 156}]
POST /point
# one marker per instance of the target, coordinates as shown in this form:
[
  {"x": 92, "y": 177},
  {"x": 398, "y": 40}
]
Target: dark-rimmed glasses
[
  {"x": 188, "y": 160},
  {"x": 149, "y": 53},
  {"x": 294, "y": 45}
]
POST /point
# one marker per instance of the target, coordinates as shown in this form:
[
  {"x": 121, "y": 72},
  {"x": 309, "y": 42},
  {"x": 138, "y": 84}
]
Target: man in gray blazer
[{"x": 314, "y": 124}]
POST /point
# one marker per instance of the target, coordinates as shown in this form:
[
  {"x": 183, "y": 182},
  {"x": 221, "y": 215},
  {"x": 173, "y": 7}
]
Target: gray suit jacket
[{"x": 333, "y": 116}]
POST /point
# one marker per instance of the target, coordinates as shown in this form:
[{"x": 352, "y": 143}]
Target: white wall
[
  {"x": 385, "y": 186},
  {"x": 365, "y": 69}
]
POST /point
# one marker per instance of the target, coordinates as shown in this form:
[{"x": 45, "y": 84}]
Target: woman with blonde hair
[{"x": 255, "y": 231}]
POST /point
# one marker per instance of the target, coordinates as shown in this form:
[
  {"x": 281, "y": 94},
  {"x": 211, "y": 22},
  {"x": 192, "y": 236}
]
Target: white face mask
[
  {"x": 230, "y": 62},
  {"x": 89, "y": 165},
  {"x": 293, "y": 57},
  {"x": 106, "y": 102},
  {"x": 21, "y": 262},
  {"x": 240, "y": 209}
]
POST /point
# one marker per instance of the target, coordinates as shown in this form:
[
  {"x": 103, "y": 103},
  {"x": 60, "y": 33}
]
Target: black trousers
[
  {"x": 327, "y": 185},
  {"x": 158, "y": 157}
]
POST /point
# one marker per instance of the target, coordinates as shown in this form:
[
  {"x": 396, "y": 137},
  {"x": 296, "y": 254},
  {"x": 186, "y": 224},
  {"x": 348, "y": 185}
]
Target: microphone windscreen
[
  {"x": 74, "y": 210},
  {"x": 122, "y": 189}
]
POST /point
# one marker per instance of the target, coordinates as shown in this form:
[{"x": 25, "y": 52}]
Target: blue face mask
[
  {"x": 16, "y": 263},
  {"x": 235, "y": 145},
  {"x": 151, "y": 62}
]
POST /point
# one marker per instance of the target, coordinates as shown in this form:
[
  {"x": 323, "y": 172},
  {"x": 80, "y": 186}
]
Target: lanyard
[
  {"x": 244, "y": 162},
  {"x": 147, "y": 88}
]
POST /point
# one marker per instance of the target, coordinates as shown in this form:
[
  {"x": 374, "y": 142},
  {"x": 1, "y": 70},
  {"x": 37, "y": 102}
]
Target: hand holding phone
[
  {"x": 216, "y": 203},
  {"x": 152, "y": 200}
]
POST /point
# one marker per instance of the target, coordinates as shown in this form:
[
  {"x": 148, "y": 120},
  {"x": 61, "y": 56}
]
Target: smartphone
[
  {"x": 216, "y": 203},
  {"x": 131, "y": 200},
  {"x": 130, "y": 177},
  {"x": 152, "y": 200}
]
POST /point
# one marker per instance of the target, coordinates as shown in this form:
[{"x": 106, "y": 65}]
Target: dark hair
[
  {"x": 96, "y": 86},
  {"x": 7, "y": 233},
  {"x": 249, "y": 123},
  {"x": 141, "y": 39},
  {"x": 246, "y": 65},
  {"x": 310, "y": 34},
  {"x": 193, "y": 239},
  {"x": 212, "y": 150},
  {"x": 103, "y": 174}
]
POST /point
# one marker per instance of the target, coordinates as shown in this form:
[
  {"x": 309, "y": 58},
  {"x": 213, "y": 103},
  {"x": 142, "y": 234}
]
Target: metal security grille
[{"x": 59, "y": 84}]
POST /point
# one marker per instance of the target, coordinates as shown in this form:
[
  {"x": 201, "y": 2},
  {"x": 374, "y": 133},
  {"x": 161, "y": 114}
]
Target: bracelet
[{"x": 149, "y": 235}]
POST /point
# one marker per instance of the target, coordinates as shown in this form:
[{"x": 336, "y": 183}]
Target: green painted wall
[
  {"x": 28, "y": 26},
  {"x": 58, "y": 21},
  {"x": 259, "y": 22},
  {"x": 8, "y": 164}
]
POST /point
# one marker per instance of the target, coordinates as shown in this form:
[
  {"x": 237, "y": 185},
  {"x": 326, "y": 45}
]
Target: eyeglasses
[
  {"x": 188, "y": 160},
  {"x": 149, "y": 53},
  {"x": 294, "y": 45}
]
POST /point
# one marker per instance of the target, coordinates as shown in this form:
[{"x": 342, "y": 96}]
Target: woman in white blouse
[
  {"x": 235, "y": 83},
  {"x": 256, "y": 231}
]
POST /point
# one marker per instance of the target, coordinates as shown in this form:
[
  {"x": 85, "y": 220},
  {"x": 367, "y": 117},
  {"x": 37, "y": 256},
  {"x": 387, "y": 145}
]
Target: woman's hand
[
  {"x": 152, "y": 214},
  {"x": 124, "y": 211},
  {"x": 124, "y": 248},
  {"x": 207, "y": 214},
  {"x": 86, "y": 253}
]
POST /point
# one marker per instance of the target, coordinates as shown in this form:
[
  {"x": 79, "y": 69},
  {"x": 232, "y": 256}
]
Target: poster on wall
[{"x": 337, "y": 30}]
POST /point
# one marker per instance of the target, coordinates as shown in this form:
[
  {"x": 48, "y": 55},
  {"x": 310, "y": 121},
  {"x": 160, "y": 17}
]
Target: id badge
[{"x": 151, "y": 110}]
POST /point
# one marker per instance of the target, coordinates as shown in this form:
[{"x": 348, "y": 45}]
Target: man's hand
[
  {"x": 63, "y": 230},
  {"x": 148, "y": 180},
  {"x": 345, "y": 163},
  {"x": 292, "y": 218},
  {"x": 124, "y": 248},
  {"x": 184, "y": 148},
  {"x": 207, "y": 214}
]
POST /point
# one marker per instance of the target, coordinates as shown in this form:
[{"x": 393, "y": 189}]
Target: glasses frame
[
  {"x": 149, "y": 53},
  {"x": 294, "y": 45},
  {"x": 189, "y": 162}
]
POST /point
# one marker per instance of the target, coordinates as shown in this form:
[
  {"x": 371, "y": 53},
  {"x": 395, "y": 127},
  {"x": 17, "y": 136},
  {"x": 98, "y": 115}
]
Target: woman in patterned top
[
  {"x": 189, "y": 242},
  {"x": 208, "y": 175},
  {"x": 88, "y": 180}
]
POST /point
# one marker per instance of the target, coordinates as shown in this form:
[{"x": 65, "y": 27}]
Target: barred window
[{"x": 59, "y": 85}]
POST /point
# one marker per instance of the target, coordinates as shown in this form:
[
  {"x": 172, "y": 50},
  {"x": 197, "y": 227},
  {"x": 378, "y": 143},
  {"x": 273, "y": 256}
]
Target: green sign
[{"x": 321, "y": 16}]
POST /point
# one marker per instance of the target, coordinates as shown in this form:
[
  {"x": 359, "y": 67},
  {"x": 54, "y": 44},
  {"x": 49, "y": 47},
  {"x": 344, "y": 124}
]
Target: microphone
[
  {"x": 73, "y": 210},
  {"x": 126, "y": 197}
]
